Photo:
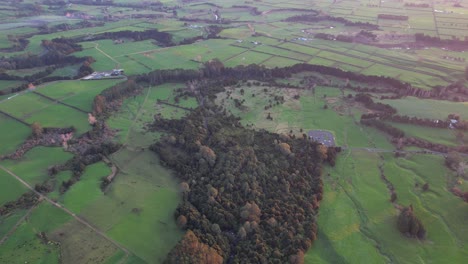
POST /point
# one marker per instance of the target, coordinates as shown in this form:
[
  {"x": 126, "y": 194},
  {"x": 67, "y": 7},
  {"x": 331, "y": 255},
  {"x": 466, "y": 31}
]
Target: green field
[
  {"x": 32, "y": 167},
  {"x": 427, "y": 108},
  {"x": 13, "y": 189},
  {"x": 356, "y": 220},
  {"x": 12, "y": 135},
  {"x": 5, "y": 85}
]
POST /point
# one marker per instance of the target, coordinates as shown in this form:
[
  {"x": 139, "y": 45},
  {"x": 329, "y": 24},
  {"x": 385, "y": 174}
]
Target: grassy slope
[
  {"x": 12, "y": 135},
  {"x": 32, "y": 167},
  {"x": 139, "y": 204}
]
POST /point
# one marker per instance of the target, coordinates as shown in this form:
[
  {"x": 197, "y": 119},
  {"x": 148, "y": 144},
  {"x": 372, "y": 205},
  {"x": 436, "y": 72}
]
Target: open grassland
[
  {"x": 443, "y": 136},
  {"x": 442, "y": 213},
  {"x": 92, "y": 247},
  {"x": 76, "y": 93},
  {"x": 7, "y": 222},
  {"x": 12, "y": 134},
  {"x": 25, "y": 247},
  {"x": 57, "y": 115},
  {"x": 67, "y": 71},
  {"x": 371, "y": 223},
  {"x": 151, "y": 196},
  {"x": 11, "y": 188},
  {"x": 31, "y": 107},
  {"x": 32, "y": 167},
  {"x": 64, "y": 89},
  {"x": 149, "y": 191},
  {"x": 5, "y": 85},
  {"x": 23, "y": 105},
  {"x": 305, "y": 113},
  {"x": 428, "y": 108},
  {"x": 116, "y": 50},
  {"x": 84, "y": 192},
  {"x": 137, "y": 112}
]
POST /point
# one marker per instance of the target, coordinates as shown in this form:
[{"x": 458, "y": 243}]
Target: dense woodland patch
[{"x": 252, "y": 196}]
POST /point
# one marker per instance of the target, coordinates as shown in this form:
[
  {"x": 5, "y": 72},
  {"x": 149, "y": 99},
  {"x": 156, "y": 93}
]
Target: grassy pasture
[
  {"x": 139, "y": 204},
  {"x": 103, "y": 63},
  {"x": 247, "y": 58},
  {"x": 12, "y": 188},
  {"x": 437, "y": 208},
  {"x": 298, "y": 57},
  {"x": 118, "y": 50},
  {"x": 26, "y": 72},
  {"x": 67, "y": 71},
  {"x": 86, "y": 191},
  {"x": 23, "y": 105},
  {"x": 92, "y": 247},
  {"x": 345, "y": 218},
  {"x": 321, "y": 61},
  {"x": 32, "y": 167},
  {"x": 7, "y": 222},
  {"x": 57, "y": 180},
  {"x": 371, "y": 223},
  {"x": 12, "y": 135},
  {"x": 5, "y": 85},
  {"x": 279, "y": 62},
  {"x": 300, "y": 48},
  {"x": 427, "y": 108},
  {"x": 58, "y": 115},
  {"x": 25, "y": 247},
  {"x": 65, "y": 89},
  {"x": 306, "y": 112},
  {"x": 443, "y": 136},
  {"x": 236, "y": 33},
  {"x": 135, "y": 113}
]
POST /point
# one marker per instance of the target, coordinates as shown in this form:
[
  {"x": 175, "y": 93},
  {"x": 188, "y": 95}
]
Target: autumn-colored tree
[
  {"x": 208, "y": 154},
  {"x": 99, "y": 104},
  {"x": 284, "y": 148},
  {"x": 182, "y": 221},
  {"x": 36, "y": 129},
  {"x": 191, "y": 250},
  {"x": 322, "y": 151},
  {"x": 251, "y": 212}
]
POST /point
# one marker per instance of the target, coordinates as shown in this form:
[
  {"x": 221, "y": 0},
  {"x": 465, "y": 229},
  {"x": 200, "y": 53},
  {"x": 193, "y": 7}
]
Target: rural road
[{"x": 79, "y": 219}]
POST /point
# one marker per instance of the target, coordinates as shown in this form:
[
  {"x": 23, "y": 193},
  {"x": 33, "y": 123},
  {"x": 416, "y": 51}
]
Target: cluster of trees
[
  {"x": 248, "y": 196},
  {"x": 392, "y": 17},
  {"x": 409, "y": 224},
  {"x": 19, "y": 43},
  {"x": 391, "y": 130},
  {"x": 27, "y": 61},
  {"x": 418, "y": 121},
  {"x": 25, "y": 201},
  {"x": 316, "y": 18},
  {"x": 438, "y": 42},
  {"x": 370, "y": 104},
  {"x": 410, "y": 141},
  {"x": 62, "y": 46},
  {"x": 422, "y": 5},
  {"x": 211, "y": 32},
  {"x": 163, "y": 38},
  {"x": 342, "y": 38}
]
